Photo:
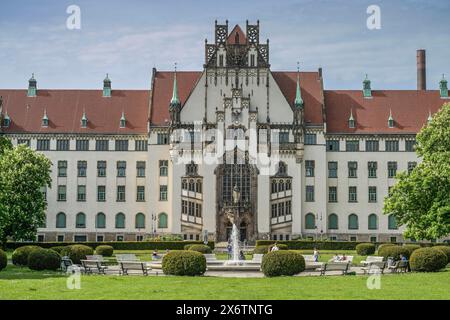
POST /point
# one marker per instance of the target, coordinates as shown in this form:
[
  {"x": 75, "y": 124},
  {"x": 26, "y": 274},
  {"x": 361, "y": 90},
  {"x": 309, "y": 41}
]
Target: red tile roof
[
  {"x": 410, "y": 110},
  {"x": 162, "y": 93},
  {"x": 232, "y": 36},
  {"x": 311, "y": 91},
  {"x": 65, "y": 109}
]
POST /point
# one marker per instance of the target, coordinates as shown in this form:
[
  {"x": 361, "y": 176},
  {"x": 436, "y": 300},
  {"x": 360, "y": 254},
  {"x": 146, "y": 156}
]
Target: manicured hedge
[
  {"x": 184, "y": 263},
  {"x": 104, "y": 250},
  {"x": 58, "y": 249},
  {"x": 44, "y": 259},
  {"x": 3, "y": 260},
  {"x": 411, "y": 248},
  {"x": 20, "y": 255},
  {"x": 118, "y": 245},
  {"x": 262, "y": 249},
  {"x": 428, "y": 260},
  {"x": 365, "y": 249},
  {"x": 445, "y": 250},
  {"x": 310, "y": 245},
  {"x": 394, "y": 252},
  {"x": 77, "y": 252},
  {"x": 282, "y": 263},
  {"x": 200, "y": 248}
]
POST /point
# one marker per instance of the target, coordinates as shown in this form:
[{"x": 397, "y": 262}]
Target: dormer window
[
  {"x": 6, "y": 121},
  {"x": 390, "y": 120},
  {"x": 45, "y": 120},
  {"x": 84, "y": 120},
  {"x": 123, "y": 121},
  {"x": 351, "y": 121}
]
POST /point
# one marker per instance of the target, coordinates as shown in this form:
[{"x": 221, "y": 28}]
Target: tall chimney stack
[{"x": 421, "y": 70}]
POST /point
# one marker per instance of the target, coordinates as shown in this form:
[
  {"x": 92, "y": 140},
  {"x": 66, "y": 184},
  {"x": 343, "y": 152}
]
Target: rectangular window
[
  {"x": 121, "y": 168},
  {"x": 81, "y": 193},
  {"x": 62, "y": 193},
  {"x": 332, "y": 169},
  {"x": 274, "y": 210},
  {"x": 391, "y": 145},
  {"x": 198, "y": 210},
  {"x": 184, "y": 207},
  {"x": 332, "y": 145},
  {"x": 283, "y": 137},
  {"x": 140, "y": 169},
  {"x": 288, "y": 208},
  {"x": 163, "y": 193},
  {"x": 352, "y": 194},
  {"x": 352, "y": 169},
  {"x": 309, "y": 168},
  {"x": 372, "y": 194},
  {"x": 24, "y": 141},
  {"x": 60, "y": 238},
  {"x": 82, "y": 168},
  {"x": 101, "y": 193},
  {"x": 121, "y": 145},
  {"x": 220, "y": 60},
  {"x": 163, "y": 138},
  {"x": 352, "y": 145},
  {"x": 281, "y": 209},
  {"x": 309, "y": 193},
  {"x": 332, "y": 194},
  {"x": 120, "y": 194},
  {"x": 82, "y": 145},
  {"x": 310, "y": 138},
  {"x": 372, "y": 169},
  {"x": 62, "y": 145},
  {"x": 411, "y": 166},
  {"x": 410, "y": 145},
  {"x": 43, "y": 144},
  {"x": 140, "y": 194},
  {"x": 163, "y": 168},
  {"x": 101, "y": 169},
  {"x": 101, "y": 145},
  {"x": 62, "y": 168},
  {"x": 252, "y": 60},
  {"x": 140, "y": 145},
  {"x": 372, "y": 145},
  {"x": 392, "y": 169}
]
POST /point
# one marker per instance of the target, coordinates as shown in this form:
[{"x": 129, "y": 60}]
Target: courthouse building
[{"x": 128, "y": 164}]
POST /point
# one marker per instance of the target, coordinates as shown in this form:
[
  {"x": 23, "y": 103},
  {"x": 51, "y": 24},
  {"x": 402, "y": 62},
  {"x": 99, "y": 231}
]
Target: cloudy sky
[{"x": 128, "y": 38}]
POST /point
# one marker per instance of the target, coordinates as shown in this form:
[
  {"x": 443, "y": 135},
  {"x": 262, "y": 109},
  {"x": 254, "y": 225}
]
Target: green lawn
[{"x": 21, "y": 283}]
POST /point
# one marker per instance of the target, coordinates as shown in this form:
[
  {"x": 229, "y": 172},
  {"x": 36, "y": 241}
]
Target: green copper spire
[
  {"x": 107, "y": 87},
  {"x": 367, "y": 90},
  {"x": 443, "y": 88},
  {"x": 175, "y": 102},
  {"x": 298, "y": 102},
  {"x": 32, "y": 86}
]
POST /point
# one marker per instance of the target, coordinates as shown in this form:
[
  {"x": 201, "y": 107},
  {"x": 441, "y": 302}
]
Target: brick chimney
[{"x": 421, "y": 70}]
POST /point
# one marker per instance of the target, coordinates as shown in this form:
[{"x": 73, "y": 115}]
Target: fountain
[{"x": 235, "y": 249}]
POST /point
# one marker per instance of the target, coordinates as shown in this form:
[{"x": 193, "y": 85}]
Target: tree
[
  {"x": 5, "y": 144},
  {"x": 421, "y": 200},
  {"x": 23, "y": 173}
]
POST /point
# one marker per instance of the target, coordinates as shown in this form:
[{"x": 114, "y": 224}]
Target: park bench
[
  {"x": 371, "y": 259},
  {"x": 126, "y": 266},
  {"x": 399, "y": 266},
  {"x": 374, "y": 267},
  {"x": 334, "y": 266},
  {"x": 93, "y": 265}
]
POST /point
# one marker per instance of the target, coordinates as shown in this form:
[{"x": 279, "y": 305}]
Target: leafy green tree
[
  {"x": 5, "y": 144},
  {"x": 23, "y": 173},
  {"x": 421, "y": 200}
]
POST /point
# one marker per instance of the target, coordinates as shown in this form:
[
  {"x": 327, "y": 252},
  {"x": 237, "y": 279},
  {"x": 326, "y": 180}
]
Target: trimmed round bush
[
  {"x": 202, "y": 248},
  {"x": 184, "y": 263},
  {"x": 365, "y": 249},
  {"x": 3, "y": 260},
  {"x": 428, "y": 260},
  {"x": 282, "y": 263},
  {"x": 58, "y": 249},
  {"x": 445, "y": 250},
  {"x": 104, "y": 250},
  {"x": 384, "y": 245},
  {"x": 78, "y": 252},
  {"x": 20, "y": 255},
  {"x": 411, "y": 248},
  {"x": 261, "y": 249},
  {"x": 394, "y": 252},
  {"x": 186, "y": 247},
  {"x": 44, "y": 259}
]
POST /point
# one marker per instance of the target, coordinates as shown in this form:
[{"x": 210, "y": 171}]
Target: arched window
[
  {"x": 80, "y": 220},
  {"x": 373, "y": 222},
  {"x": 120, "y": 221},
  {"x": 353, "y": 222},
  {"x": 392, "y": 223},
  {"x": 274, "y": 186},
  {"x": 140, "y": 221},
  {"x": 333, "y": 221},
  {"x": 280, "y": 185},
  {"x": 162, "y": 221},
  {"x": 191, "y": 185},
  {"x": 61, "y": 220},
  {"x": 184, "y": 184},
  {"x": 310, "y": 221},
  {"x": 199, "y": 186},
  {"x": 288, "y": 184},
  {"x": 100, "y": 220}
]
